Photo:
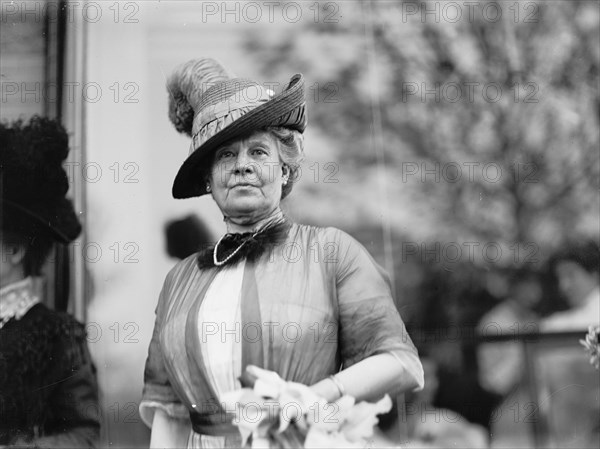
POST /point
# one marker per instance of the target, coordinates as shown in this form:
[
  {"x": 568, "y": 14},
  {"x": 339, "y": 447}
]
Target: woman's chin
[{"x": 245, "y": 206}]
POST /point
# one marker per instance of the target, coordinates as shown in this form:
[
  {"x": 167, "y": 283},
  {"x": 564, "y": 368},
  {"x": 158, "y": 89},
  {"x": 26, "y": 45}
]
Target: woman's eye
[
  {"x": 260, "y": 151},
  {"x": 224, "y": 155}
]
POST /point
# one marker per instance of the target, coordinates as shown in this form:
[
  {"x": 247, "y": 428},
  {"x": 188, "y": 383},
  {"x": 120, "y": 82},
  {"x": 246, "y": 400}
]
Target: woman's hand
[{"x": 248, "y": 379}]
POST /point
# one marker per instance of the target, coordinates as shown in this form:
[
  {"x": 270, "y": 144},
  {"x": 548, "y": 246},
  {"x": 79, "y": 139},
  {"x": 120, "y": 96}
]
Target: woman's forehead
[{"x": 257, "y": 137}]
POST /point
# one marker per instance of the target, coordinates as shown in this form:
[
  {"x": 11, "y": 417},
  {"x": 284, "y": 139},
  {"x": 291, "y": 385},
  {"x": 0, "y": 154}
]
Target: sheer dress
[{"x": 305, "y": 308}]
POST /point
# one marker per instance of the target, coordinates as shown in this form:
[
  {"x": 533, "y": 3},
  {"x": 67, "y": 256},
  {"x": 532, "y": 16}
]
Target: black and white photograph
[{"x": 300, "y": 224}]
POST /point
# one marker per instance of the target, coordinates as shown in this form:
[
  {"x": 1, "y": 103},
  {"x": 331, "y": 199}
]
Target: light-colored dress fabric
[{"x": 220, "y": 331}]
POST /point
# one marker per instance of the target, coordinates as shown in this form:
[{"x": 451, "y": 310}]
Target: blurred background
[{"x": 457, "y": 141}]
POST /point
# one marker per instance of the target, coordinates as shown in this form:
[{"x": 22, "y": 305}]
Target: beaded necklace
[{"x": 237, "y": 250}]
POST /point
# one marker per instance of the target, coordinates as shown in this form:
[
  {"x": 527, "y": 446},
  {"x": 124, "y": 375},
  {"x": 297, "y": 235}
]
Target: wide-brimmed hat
[
  {"x": 213, "y": 107},
  {"x": 33, "y": 182}
]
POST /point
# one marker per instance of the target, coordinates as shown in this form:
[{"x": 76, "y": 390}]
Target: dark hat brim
[
  {"x": 59, "y": 220},
  {"x": 289, "y": 103}
]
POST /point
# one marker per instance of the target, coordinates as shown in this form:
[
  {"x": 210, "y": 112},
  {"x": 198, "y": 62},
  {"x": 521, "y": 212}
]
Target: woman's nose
[{"x": 243, "y": 164}]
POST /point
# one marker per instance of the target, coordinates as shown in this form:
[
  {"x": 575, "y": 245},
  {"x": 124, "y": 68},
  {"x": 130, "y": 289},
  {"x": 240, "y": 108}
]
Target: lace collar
[{"x": 16, "y": 299}]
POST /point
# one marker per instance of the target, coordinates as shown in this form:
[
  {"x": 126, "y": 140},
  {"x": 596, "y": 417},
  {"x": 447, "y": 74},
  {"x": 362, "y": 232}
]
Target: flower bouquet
[
  {"x": 284, "y": 414},
  {"x": 592, "y": 345}
]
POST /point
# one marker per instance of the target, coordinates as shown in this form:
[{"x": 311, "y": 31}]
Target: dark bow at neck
[{"x": 252, "y": 245}]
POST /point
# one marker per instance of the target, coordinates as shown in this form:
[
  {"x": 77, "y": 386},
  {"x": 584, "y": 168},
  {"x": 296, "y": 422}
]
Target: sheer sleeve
[
  {"x": 158, "y": 392},
  {"x": 369, "y": 321}
]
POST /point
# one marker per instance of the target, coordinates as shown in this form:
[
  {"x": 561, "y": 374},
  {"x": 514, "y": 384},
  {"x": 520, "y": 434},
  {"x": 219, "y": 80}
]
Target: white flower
[
  {"x": 592, "y": 345},
  {"x": 274, "y": 405}
]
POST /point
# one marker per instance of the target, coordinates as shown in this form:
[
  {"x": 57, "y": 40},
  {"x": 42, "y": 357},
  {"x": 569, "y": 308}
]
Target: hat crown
[
  {"x": 224, "y": 103},
  {"x": 223, "y": 90}
]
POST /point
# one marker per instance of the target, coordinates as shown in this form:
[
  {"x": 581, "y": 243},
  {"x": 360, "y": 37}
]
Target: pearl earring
[
  {"x": 208, "y": 189},
  {"x": 285, "y": 170}
]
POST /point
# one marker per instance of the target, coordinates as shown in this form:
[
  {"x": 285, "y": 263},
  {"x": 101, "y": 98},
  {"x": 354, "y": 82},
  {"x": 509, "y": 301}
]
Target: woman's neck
[
  {"x": 236, "y": 226},
  {"x": 18, "y": 284},
  {"x": 12, "y": 277}
]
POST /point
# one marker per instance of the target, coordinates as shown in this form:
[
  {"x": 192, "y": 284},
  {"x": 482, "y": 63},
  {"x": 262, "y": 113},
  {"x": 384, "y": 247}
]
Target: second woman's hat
[
  {"x": 33, "y": 182},
  {"x": 213, "y": 107}
]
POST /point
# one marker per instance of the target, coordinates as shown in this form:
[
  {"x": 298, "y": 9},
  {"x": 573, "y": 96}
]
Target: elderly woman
[{"x": 308, "y": 303}]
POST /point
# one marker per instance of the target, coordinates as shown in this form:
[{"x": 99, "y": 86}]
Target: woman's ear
[
  {"x": 207, "y": 183},
  {"x": 13, "y": 253},
  {"x": 285, "y": 173}
]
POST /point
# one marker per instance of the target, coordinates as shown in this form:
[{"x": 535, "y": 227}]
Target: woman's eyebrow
[{"x": 258, "y": 142}]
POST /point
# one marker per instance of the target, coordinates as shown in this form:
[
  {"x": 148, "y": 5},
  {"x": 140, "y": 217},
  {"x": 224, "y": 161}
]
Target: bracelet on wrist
[{"x": 338, "y": 385}]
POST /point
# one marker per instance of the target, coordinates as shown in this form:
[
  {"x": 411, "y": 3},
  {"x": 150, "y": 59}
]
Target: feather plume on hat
[{"x": 187, "y": 85}]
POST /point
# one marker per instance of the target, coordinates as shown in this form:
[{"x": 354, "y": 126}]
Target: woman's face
[
  {"x": 11, "y": 269},
  {"x": 247, "y": 177}
]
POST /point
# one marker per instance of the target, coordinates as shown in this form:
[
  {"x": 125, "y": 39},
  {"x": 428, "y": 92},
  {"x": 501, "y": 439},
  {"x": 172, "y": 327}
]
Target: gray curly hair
[{"x": 291, "y": 153}]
